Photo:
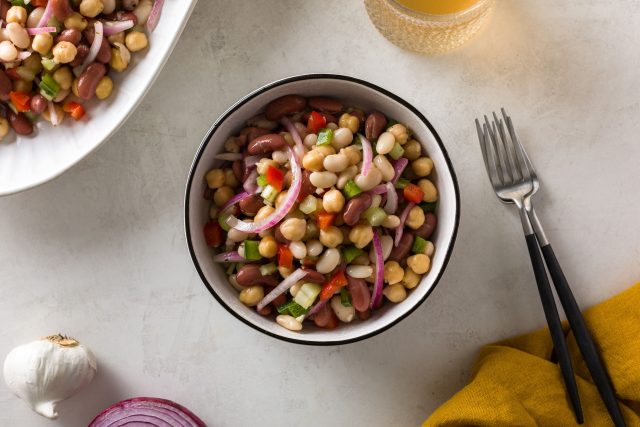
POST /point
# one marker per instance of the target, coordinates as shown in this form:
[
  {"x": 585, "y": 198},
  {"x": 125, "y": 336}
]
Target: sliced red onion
[
  {"x": 367, "y": 155},
  {"x": 399, "y": 166},
  {"x": 376, "y": 298},
  {"x": 403, "y": 218},
  {"x": 148, "y": 411},
  {"x": 282, "y": 210},
  {"x": 53, "y": 114},
  {"x": 235, "y": 199},
  {"x": 284, "y": 286},
  {"x": 250, "y": 185},
  {"x": 317, "y": 307},
  {"x": 23, "y": 55},
  {"x": 252, "y": 160},
  {"x": 228, "y": 156},
  {"x": 392, "y": 199},
  {"x": 295, "y": 135},
  {"x": 115, "y": 27},
  {"x": 233, "y": 256},
  {"x": 154, "y": 15},
  {"x": 41, "y": 30},
  {"x": 378, "y": 189},
  {"x": 46, "y": 15},
  {"x": 93, "y": 50}
]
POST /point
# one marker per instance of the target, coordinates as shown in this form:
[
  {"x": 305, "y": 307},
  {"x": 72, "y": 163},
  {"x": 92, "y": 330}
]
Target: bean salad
[
  {"x": 58, "y": 54},
  {"x": 321, "y": 212}
]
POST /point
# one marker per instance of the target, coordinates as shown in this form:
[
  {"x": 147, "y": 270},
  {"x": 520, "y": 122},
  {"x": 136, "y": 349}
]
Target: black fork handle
[
  {"x": 555, "y": 327},
  {"x": 582, "y": 335}
]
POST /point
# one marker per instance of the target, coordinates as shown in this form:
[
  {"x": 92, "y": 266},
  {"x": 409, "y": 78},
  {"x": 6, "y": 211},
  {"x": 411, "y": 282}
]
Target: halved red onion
[
  {"x": 399, "y": 166},
  {"x": 295, "y": 135},
  {"x": 115, "y": 27},
  {"x": 392, "y": 199},
  {"x": 284, "y": 286},
  {"x": 235, "y": 199},
  {"x": 228, "y": 156},
  {"x": 93, "y": 50},
  {"x": 282, "y": 210},
  {"x": 367, "y": 155},
  {"x": 55, "y": 121},
  {"x": 147, "y": 411},
  {"x": 403, "y": 219},
  {"x": 41, "y": 30},
  {"x": 376, "y": 297},
  {"x": 154, "y": 15},
  {"x": 250, "y": 185},
  {"x": 46, "y": 15},
  {"x": 317, "y": 307},
  {"x": 232, "y": 256}
]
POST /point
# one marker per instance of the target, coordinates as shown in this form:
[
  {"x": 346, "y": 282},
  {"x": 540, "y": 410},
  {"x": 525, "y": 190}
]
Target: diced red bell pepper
[
  {"x": 413, "y": 193},
  {"x": 316, "y": 122},
  {"x": 285, "y": 257},
  {"x": 325, "y": 220},
  {"x": 275, "y": 177},
  {"x": 333, "y": 285},
  {"x": 21, "y": 101},
  {"x": 213, "y": 233},
  {"x": 38, "y": 3},
  {"x": 74, "y": 109}
]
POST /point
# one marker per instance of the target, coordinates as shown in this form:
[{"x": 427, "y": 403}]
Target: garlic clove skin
[{"x": 47, "y": 371}]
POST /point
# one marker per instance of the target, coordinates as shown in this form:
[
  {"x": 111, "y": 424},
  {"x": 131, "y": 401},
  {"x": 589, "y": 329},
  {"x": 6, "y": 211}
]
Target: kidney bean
[
  {"x": 70, "y": 35},
  {"x": 61, "y": 9},
  {"x": 81, "y": 55},
  {"x": 359, "y": 291},
  {"x": 325, "y": 105},
  {"x": 89, "y": 79},
  {"x": 400, "y": 252},
  {"x": 20, "y": 123},
  {"x": 266, "y": 144},
  {"x": 282, "y": 106},
  {"x": 38, "y": 103},
  {"x": 306, "y": 187},
  {"x": 279, "y": 300},
  {"x": 104, "y": 54},
  {"x": 238, "y": 169},
  {"x": 130, "y": 4},
  {"x": 265, "y": 311},
  {"x": 127, "y": 16},
  {"x": 5, "y": 84},
  {"x": 426, "y": 229},
  {"x": 308, "y": 262},
  {"x": 250, "y": 275},
  {"x": 279, "y": 237},
  {"x": 251, "y": 205},
  {"x": 4, "y": 8},
  {"x": 325, "y": 318},
  {"x": 251, "y": 133},
  {"x": 374, "y": 125},
  {"x": 355, "y": 207},
  {"x": 364, "y": 315},
  {"x": 313, "y": 276}
]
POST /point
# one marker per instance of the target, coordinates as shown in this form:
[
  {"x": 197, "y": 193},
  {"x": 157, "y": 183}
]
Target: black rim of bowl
[{"x": 268, "y": 87}]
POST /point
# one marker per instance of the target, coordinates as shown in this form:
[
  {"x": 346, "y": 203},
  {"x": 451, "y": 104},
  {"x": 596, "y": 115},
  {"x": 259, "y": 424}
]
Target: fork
[{"x": 514, "y": 180}]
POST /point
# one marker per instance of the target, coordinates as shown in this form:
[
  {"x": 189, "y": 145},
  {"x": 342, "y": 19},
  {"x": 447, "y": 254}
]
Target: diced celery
[
  {"x": 268, "y": 269},
  {"x": 375, "y": 216},
  {"x": 251, "y": 252},
  {"x": 419, "y": 245},
  {"x": 351, "y": 189},
  {"x": 309, "y": 204},
  {"x": 293, "y": 308},
  {"x": 261, "y": 181},
  {"x": 222, "y": 220},
  {"x": 396, "y": 152},
  {"x": 269, "y": 193},
  {"x": 49, "y": 86},
  {"x": 350, "y": 253},
  {"x": 325, "y": 137},
  {"x": 345, "y": 298},
  {"x": 307, "y": 294},
  {"x": 428, "y": 206},
  {"x": 48, "y": 64},
  {"x": 401, "y": 183}
]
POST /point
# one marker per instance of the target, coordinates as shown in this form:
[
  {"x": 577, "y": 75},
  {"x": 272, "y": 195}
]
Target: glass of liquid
[{"x": 428, "y": 26}]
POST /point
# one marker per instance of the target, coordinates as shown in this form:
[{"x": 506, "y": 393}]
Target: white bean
[
  {"x": 310, "y": 140},
  {"x": 18, "y": 35},
  {"x": 323, "y": 179},
  {"x": 280, "y": 157},
  {"x": 385, "y": 143},
  {"x": 359, "y": 271},
  {"x": 34, "y": 17},
  {"x": 332, "y": 126},
  {"x": 8, "y": 51},
  {"x": 288, "y": 322},
  {"x": 385, "y": 167},
  {"x": 314, "y": 247},
  {"x": 328, "y": 261},
  {"x": 376, "y": 200},
  {"x": 298, "y": 249},
  {"x": 341, "y": 138},
  {"x": 372, "y": 179},
  {"x": 346, "y": 175},
  {"x": 302, "y": 129},
  {"x": 335, "y": 162},
  {"x": 236, "y": 235},
  {"x": 387, "y": 246},
  {"x": 429, "y": 249},
  {"x": 345, "y": 314},
  {"x": 142, "y": 11}
]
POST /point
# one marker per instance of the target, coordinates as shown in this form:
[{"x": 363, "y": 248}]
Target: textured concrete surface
[{"x": 100, "y": 253}]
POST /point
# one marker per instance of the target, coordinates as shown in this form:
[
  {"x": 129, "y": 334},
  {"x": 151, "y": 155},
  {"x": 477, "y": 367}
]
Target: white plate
[{"x": 26, "y": 162}]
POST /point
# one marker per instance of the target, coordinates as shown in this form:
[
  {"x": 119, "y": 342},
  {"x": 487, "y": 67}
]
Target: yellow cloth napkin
[{"x": 514, "y": 383}]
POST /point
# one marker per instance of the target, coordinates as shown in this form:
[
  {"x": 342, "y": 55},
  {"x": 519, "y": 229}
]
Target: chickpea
[
  {"x": 74, "y": 87},
  {"x": 230, "y": 178},
  {"x": 313, "y": 161},
  {"x": 400, "y": 132},
  {"x": 293, "y": 228},
  {"x": 118, "y": 62},
  {"x": 17, "y": 14},
  {"x": 395, "y": 293},
  {"x": 353, "y": 154},
  {"x": 333, "y": 201},
  {"x": 430, "y": 191},
  {"x": 76, "y": 21},
  {"x": 4, "y": 127},
  {"x": 251, "y": 296},
  {"x": 116, "y": 38},
  {"x": 91, "y": 8},
  {"x": 136, "y": 41},
  {"x": 361, "y": 235},
  {"x": 348, "y": 121},
  {"x": 64, "y": 52},
  {"x": 391, "y": 221},
  {"x": 104, "y": 87},
  {"x": 422, "y": 166},
  {"x": 215, "y": 178},
  {"x": 231, "y": 145},
  {"x": 419, "y": 263},
  {"x": 268, "y": 247},
  {"x": 222, "y": 195},
  {"x": 8, "y": 51},
  {"x": 331, "y": 237},
  {"x": 284, "y": 271},
  {"x": 326, "y": 150},
  {"x": 393, "y": 273},
  {"x": 63, "y": 77},
  {"x": 415, "y": 218},
  {"x": 263, "y": 213},
  {"x": 410, "y": 279},
  {"x": 412, "y": 150}
]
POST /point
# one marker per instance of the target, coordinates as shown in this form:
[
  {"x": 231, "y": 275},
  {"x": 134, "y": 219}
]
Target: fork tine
[
  {"x": 490, "y": 131},
  {"x": 481, "y": 138},
  {"x": 492, "y": 170},
  {"x": 528, "y": 172},
  {"x": 514, "y": 166}
]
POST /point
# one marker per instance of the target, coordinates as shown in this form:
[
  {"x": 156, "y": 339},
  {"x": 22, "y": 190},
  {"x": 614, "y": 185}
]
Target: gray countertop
[{"x": 100, "y": 252}]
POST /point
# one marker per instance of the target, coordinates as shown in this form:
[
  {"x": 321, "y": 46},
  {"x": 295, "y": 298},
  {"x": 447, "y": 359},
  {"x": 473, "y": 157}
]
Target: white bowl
[
  {"x": 355, "y": 93},
  {"x": 28, "y": 161}
]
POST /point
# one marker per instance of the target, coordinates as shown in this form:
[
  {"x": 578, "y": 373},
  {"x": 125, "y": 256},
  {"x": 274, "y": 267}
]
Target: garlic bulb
[{"x": 49, "y": 370}]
